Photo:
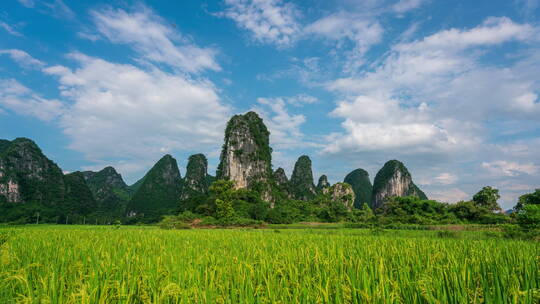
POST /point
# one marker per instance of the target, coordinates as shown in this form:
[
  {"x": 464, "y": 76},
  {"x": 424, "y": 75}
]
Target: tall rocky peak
[
  {"x": 361, "y": 185},
  {"x": 302, "y": 186},
  {"x": 280, "y": 177},
  {"x": 323, "y": 183},
  {"x": 393, "y": 180},
  {"x": 246, "y": 155},
  {"x": 109, "y": 189},
  {"x": 26, "y": 174},
  {"x": 197, "y": 180},
  {"x": 342, "y": 192},
  {"x": 159, "y": 192}
]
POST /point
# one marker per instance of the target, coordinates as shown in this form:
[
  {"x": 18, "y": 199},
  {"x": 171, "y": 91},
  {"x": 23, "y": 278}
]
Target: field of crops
[{"x": 85, "y": 264}]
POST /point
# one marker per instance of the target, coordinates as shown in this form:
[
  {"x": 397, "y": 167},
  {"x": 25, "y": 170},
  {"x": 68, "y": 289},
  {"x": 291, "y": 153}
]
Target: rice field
[{"x": 86, "y": 264}]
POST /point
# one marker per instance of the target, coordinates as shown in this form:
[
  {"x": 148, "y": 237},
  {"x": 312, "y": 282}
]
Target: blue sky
[{"x": 451, "y": 88}]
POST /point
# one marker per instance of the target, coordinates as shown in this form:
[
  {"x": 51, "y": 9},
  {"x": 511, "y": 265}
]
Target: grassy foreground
[{"x": 85, "y": 264}]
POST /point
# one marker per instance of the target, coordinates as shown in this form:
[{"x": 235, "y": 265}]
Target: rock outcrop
[
  {"x": 109, "y": 190},
  {"x": 27, "y": 175},
  {"x": 246, "y": 157},
  {"x": 323, "y": 183},
  {"x": 280, "y": 177},
  {"x": 159, "y": 192},
  {"x": 342, "y": 192},
  {"x": 197, "y": 181},
  {"x": 393, "y": 180},
  {"x": 361, "y": 185},
  {"x": 302, "y": 186}
]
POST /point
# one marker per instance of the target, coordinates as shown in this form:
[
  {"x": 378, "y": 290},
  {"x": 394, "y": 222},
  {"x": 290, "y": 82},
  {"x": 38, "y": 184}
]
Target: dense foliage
[
  {"x": 301, "y": 182},
  {"x": 361, "y": 185},
  {"x": 159, "y": 193}
]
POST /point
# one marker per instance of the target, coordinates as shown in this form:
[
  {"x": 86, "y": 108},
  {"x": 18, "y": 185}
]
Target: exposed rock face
[
  {"x": 246, "y": 155},
  {"x": 109, "y": 190},
  {"x": 302, "y": 186},
  {"x": 26, "y": 175},
  {"x": 197, "y": 180},
  {"x": 393, "y": 180},
  {"x": 323, "y": 183},
  {"x": 343, "y": 193},
  {"x": 159, "y": 192},
  {"x": 361, "y": 185}
]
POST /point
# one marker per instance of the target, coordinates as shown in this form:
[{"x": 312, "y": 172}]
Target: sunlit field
[{"x": 92, "y": 264}]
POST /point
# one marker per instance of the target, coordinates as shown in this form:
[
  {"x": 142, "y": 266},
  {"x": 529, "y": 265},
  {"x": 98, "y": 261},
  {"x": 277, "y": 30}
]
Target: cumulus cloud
[
  {"x": 17, "y": 98},
  {"x": 269, "y": 21},
  {"x": 152, "y": 38},
  {"x": 120, "y": 111},
  {"x": 23, "y": 59},
  {"x": 421, "y": 94}
]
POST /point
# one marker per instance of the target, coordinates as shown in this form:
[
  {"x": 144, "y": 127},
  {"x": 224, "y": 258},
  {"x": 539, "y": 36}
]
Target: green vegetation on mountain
[
  {"x": 159, "y": 194},
  {"x": 196, "y": 181},
  {"x": 301, "y": 182},
  {"x": 110, "y": 191},
  {"x": 361, "y": 185},
  {"x": 37, "y": 178},
  {"x": 79, "y": 199},
  {"x": 323, "y": 183}
]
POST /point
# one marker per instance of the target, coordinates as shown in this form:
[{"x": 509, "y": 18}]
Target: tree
[
  {"x": 528, "y": 199},
  {"x": 528, "y": 210},
  {"x": 487, "y": 198}
]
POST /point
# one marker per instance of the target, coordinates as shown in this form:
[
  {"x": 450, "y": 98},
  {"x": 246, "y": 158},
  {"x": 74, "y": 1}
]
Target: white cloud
[
  {"x": 373, "y": 124},
  {"x": 362, "y": 31},
  {"x": 21, "y": 100},
  {"x": 446, "y": 178},
  {"x": 421, "y": 98},
  {"x": 121, "y": 112},
  {"x": 301, "y": 99},
  {"x": 403, "y": 6},
  {"x": 510, "y": 168},
  {"x": 284, "y": 128},
  {"x": 152, "y": 38},
  {"x": 23, "y": 59},
  {"x": 450, "y": 196},
  {"x": 270, "y": 21},
  {"x": 8, "y": 28}
]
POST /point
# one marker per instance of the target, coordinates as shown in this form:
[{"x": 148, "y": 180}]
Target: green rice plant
[{"x": 85, "y": 264}]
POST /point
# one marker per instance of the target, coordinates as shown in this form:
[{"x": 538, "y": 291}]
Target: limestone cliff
[
  {"x": 361, "y": 185},
  {"x": 197, "y": 181},
  {"x": 27, "y": 175},
  {"x": 246, "y": 154},
  {"x": 393, "y": 180},
  {"x": 302, "y": 186},
  {"x": 342, "y": 192}
]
